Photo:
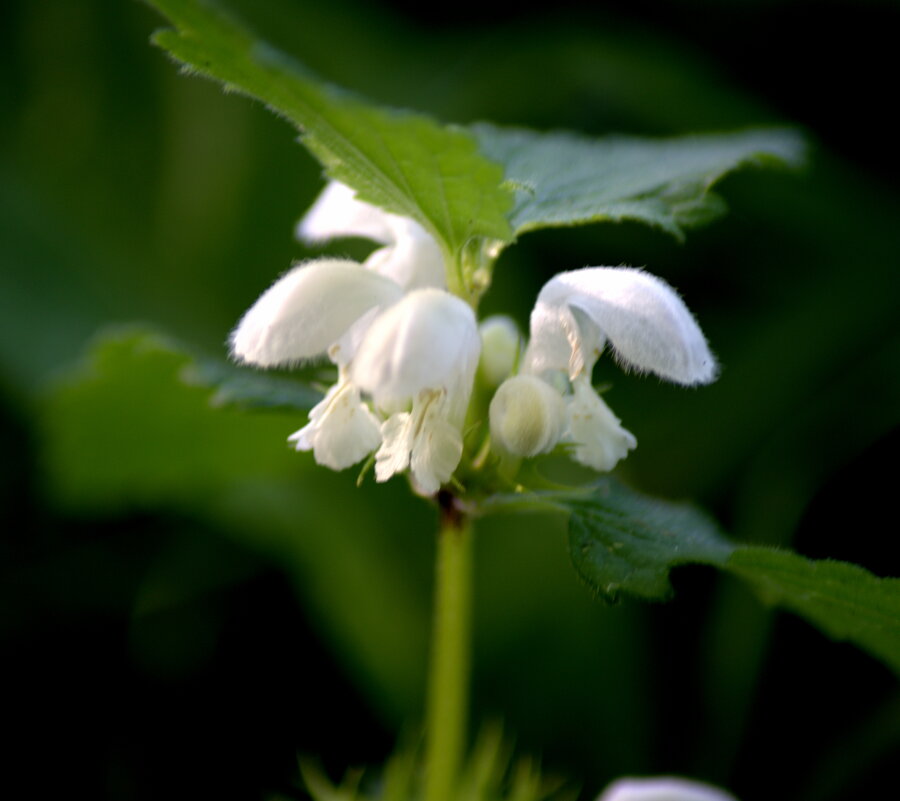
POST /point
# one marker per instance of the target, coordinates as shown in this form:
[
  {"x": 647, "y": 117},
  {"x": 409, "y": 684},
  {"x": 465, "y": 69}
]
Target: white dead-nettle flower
[
  {"x": 666, "y": 788},
  {"x": 410, "y": 255},
  {"x": 422, "y": 351},
  {"x": 640, "y": 318},
  {"x": 417, "y": 349},
  {"x": 321, "y": 308}
]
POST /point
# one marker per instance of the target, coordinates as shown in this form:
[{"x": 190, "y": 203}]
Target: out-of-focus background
[{"x": 185, "y": 605}]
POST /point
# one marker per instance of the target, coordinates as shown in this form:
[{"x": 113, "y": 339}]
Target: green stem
[{"x": 448, "y": 687}]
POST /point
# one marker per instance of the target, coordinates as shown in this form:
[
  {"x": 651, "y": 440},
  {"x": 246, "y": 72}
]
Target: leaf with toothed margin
[
  {"x": 624, "y": 543},
  {"x": 403, "y": 162},
  {"x": 562, "y": 178}
]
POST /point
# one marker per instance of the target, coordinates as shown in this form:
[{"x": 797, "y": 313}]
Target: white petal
[
  {"x": 428, "y": 340},
  {"x": 342, "y": 430},
  {"x": 562, "y": 338},
  {"x": 527, "y": 416},
  {"x": 342, "y": 351},
  {"x": 393, "y": 455},
  {"x": 337, "y": 213},
  {"x": 424, "y": 440},
  {"x": 411, "y": 257},
  {"x": 413, "y": 260},
  {"x": 307, "y": 310},
  {"x": 600, "y": 440},
  {"x": 437, "y": 448},
  {"x": 663, "y": 789},
  {"x": 640, "y": 315}
]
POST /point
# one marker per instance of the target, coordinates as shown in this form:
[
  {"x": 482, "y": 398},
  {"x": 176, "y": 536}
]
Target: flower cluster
[{"x": 407, "y": 351}]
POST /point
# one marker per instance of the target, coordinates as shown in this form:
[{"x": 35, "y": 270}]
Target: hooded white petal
[
  {"x": 423, "y": 351},
  {"x": 527, "y": 416},
  {"x": 663, "y": 789},
  {"x": 600, "y": 441},
  {"x": 308, "y": 310},
  {"x": 341, "y": 429},
  {"x": 641, "y": 316},
  {"x": 428, "y": 340},
  {"x": 411, "y": 256},
  {"x": 337, "y": 213},
  {"x": 413, "y": 260}
]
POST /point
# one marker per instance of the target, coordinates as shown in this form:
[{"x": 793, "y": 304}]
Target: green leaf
[
  {"x": 564, "y": 178},
  {"x": 624, "y": 542},
  {"x": 133, "y": 427},
  {"x": 115, "y": 430},
  {"x": 403, "y": 162},
  {"x": 248, "y": 388},
  {"x": 844, "y": 600}
]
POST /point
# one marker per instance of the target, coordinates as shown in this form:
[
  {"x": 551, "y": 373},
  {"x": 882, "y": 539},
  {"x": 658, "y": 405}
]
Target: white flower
[
  {"x": 422, "y": 352},
  {"x": 642, "y": 320},
  {"x": 666, "y": 788},
  {"x": 410, "y": 255},
  {"x": 322, "y": 307},
  {"x": 415, "y": 355}
]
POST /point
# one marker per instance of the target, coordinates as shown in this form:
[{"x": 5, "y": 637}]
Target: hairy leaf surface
[{"x": 563, "y": 178}]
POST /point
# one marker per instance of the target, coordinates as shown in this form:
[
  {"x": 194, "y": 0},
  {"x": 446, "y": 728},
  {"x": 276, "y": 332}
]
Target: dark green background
[{"x": 130, "y": 193}]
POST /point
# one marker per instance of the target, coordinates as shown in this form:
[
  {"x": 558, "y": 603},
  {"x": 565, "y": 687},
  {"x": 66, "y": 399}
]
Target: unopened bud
[
  {"x": 527, "y": 416},
  {"x": 500, "y": 345}
]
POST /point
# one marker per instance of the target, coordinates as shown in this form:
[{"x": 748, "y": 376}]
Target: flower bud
[
  {"x": 527, "y": 416},
  {"x": 500, "y": 345}
]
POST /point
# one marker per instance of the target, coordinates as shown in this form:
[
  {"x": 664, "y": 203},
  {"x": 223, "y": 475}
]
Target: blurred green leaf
[
  {"x": 115, "y": 429},
  {"x": 563, "y": 178},
  {"x": 844, "y": 600},
  {"x": 623, "y": 542},
  {"x": 134, "y": 427},
  {"x": 403, "y": 162},
  {"x": 248, "y": 388}
]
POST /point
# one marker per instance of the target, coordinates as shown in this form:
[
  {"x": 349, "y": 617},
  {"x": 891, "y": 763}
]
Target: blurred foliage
[
  {"x": 181, "y": 627},
  {"x": 490, "y": 774}
]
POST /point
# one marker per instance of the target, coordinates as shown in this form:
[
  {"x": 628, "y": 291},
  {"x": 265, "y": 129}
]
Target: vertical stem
[{"x": 448, "y": 687}]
